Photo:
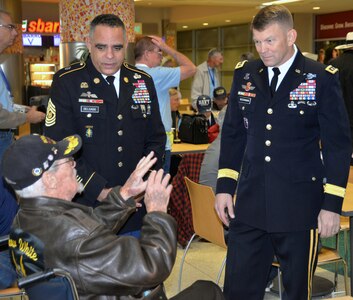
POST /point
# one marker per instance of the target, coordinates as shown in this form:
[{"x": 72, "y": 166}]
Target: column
[
  {"x": 75, "y": 17},
  {"x": 12, "y": 59}
]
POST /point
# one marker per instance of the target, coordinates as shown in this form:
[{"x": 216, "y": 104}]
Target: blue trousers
[{"x": 7, "y": 272}]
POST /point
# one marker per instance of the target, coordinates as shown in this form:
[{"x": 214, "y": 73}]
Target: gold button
[
  {"x": 120, "y": 117},
  {"x": 144, "y": 115},
  {"x": 301, "y": 112},
  {"x": 89, "y": 115},
  {"x": 243, "y": 108},
  {"x": 270, "y": 111},
  {"x": 313, "y": 178},
  {"x": 120, "y": 149},
  {"x": 267, "y": 158},
  {"x": 268, "y": 126},
  {"x": 120, "y": 132},
  {"x": 268, "y": 143}
]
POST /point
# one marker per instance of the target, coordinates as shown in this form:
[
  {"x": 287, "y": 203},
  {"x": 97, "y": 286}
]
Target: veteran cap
[
  {"x": 219, "y": 93},
  {"x": 25, "y": 161},
  {"x": 204, "y": 103},
  {"x": 349, "y": 42}
]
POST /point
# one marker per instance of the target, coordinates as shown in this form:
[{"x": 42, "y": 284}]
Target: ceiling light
[
  {"x": 316, "y": 7},
  {"x": 227, "y": 21},
  {"x": 205, "y": 24},
  {"x": 279, "y": 2},
  {"x": 185, "y": 26}
]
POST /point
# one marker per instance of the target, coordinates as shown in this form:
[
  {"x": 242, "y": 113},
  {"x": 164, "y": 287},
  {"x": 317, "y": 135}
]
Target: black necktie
[
  {"x": 110, "y": 80},
  {"x": 274, "y": 80}
]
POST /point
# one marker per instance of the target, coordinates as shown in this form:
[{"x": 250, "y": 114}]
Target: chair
[
  {"x": 54, "y": 284},
  {"x": 327, "y": 255},
  {"x": 206, "y": 223}
]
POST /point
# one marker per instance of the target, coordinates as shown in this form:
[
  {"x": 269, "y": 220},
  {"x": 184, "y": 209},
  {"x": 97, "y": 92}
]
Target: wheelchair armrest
[{"x": 35, "y": 278}]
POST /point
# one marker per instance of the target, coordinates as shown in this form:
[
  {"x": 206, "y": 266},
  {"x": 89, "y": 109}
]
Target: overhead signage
[
  {"x": 334, "y": 26},
  {"x": 40, "y": 26},
  {"x": 31, "y": 39}
]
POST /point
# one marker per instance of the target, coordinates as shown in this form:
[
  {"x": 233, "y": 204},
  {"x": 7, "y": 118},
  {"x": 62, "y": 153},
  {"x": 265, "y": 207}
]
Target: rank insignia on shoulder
[
  {"x": 50, "y": 118},
  {"x": 331, "y": 69},
  {"x": 240, "y": 64}
]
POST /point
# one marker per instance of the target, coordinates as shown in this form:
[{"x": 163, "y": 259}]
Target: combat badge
[{"x": 50, "y": 118}]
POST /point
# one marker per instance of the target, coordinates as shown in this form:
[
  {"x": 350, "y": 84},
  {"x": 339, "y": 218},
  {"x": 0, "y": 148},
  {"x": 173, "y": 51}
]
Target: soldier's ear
[{"x": 291, "y": 36}]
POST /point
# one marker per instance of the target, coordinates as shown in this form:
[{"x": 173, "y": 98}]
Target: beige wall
[{"x": 305, "y": 26}]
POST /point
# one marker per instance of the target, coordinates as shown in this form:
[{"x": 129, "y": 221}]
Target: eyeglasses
[
  {"x": 70, "y": 160},
  {"x": 9, "y": 26}
]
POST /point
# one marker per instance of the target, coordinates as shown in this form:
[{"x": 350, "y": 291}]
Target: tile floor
[{"x": 203, "y": 262}]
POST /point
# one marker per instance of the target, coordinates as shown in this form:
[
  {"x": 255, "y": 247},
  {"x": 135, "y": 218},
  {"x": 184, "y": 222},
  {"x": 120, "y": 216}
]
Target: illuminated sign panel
[
  {"x": 40, "y": 26},
  {"x": 32, "y": 39}
]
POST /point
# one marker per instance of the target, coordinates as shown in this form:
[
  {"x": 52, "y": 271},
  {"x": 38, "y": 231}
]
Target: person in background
[
  {"x": 175, "y": 97},
  {"x": 330, "y": 54},
  {"x": 220, "y": 100},
  {"x": 9, "y": 120},
  {"x": 288, "y": 188},
  {"x": 113, "y": 106},
  {"x": 204, "y": 107},
  {"x": 209, "y": 166},
  {"x": 344, "y": 63},
  {"x": 148, "y": 57},
  {"x": 321, "y": 56},
  {"x": 43, "y": 174},
  {"x": 207, "y": 77},
  {"x": 249, "y": 56}
]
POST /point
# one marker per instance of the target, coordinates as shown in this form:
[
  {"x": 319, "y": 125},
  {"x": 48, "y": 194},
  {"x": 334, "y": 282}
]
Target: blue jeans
[
  {"x": 6, "y": 139},
  {"x": 7, "y": 272}
]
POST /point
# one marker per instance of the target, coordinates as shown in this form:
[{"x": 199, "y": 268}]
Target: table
[
  {"x": 183, "y": 148},
  {"x": 347, "y": 210}
]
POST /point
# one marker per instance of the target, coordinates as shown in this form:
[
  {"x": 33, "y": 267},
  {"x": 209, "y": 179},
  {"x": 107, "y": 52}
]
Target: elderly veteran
[{"x": 82, "y": 240}]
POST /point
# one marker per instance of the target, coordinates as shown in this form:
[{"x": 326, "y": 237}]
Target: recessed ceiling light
[
  {"x": 185, "y": 26},
  {"x": 227, "y": 21},
  {"x": 316, "y": 7},
  {"x": 205, "y": 24},
  {"x": 280, "y": 2}
]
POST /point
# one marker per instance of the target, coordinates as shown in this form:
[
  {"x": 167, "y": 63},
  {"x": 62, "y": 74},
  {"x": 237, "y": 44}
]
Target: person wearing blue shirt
[{"x": 148, "y": 57}]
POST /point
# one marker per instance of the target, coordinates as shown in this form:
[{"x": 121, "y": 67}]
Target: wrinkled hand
[
  {"x": 224, "y": 207},
  {"x": 135, "y": 184},
  {"x": 33, "y": 116},
  {"x": 158, "y": 41},
  {"x": 328, "y": 223},
  {"x": 158, "y": 191}
]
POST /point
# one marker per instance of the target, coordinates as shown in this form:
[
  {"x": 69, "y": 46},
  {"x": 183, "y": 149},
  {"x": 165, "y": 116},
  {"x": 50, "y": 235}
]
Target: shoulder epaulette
[
  {"x": 136, "y": 70},
  {"x": 331, "y": 69},
  {"x": 72, "y": 68},
  {"x": 240, "y": 64}
]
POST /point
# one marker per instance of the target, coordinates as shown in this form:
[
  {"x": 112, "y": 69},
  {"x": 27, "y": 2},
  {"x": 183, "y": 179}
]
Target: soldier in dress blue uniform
[
  {"x": 118, "y": 122},
  {"x": 287, "y": 158}
]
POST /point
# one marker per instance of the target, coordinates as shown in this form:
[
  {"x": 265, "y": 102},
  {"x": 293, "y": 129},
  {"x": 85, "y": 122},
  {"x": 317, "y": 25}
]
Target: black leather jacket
[{"x": 82, "y": 241}]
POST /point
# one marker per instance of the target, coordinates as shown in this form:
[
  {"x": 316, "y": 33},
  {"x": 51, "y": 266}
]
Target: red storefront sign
[{"x": 335, "y": 25}]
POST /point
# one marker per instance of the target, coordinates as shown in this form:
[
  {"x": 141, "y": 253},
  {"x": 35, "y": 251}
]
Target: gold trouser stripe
[
  {"x": 89, "y": 179},
  {"x": 228, "y": 173},
  {"x": 334, "y": 190},
  {"x": 314, "y": 239}
]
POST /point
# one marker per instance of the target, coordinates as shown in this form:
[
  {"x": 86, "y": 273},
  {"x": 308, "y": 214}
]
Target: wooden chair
[
  {"x": 12, "y": 292},
  {"x": 206, "y": 223},
  {"x": 326, "y": 256}
]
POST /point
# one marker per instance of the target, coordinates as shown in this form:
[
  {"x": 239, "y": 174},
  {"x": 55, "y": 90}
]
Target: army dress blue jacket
[
  {"x": 271, "y": 149},
  {"x": 116, "y": 133}
]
